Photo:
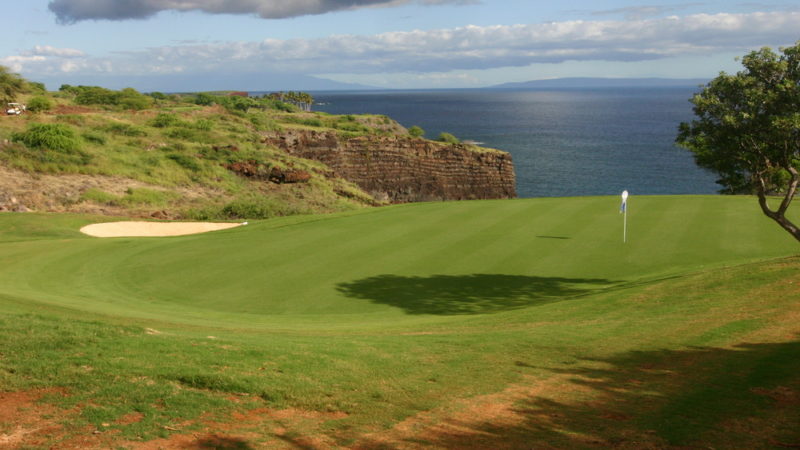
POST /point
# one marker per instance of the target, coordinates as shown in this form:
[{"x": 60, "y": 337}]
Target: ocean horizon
[{"x": 564, "y": 141}]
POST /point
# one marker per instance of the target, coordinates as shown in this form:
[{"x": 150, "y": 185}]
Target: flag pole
[
  {"x": 624, "y": 210},
  {"x": 625, "y": 227}
]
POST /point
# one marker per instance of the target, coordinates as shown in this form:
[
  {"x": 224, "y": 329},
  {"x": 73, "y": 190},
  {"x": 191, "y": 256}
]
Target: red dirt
[{"x": 24, "y": 421}]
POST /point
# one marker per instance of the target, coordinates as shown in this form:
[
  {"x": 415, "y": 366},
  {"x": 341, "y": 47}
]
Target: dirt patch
[
  {"x": 70, "y": 109},
  {"x": 256, "y": 428},
  {"x": 24, "y": 422},
  {"x": 153, "y": 229}
]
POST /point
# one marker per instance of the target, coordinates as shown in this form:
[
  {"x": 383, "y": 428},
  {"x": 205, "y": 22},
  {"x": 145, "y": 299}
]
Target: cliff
[{"x": 405, "y": 169}]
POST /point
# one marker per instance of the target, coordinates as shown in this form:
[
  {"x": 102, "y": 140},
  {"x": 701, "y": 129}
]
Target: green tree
[
  {"x": 416, "y": 131},
  {"x": 11, "y": 85},
  {"x": 39, "y": 104},
  {"x": 448, "y": 138},
  {"x": 747, "y": 130}
]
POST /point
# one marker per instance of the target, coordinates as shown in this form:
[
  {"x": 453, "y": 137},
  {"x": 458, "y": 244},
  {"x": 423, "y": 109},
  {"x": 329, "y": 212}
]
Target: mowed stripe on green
[{"x": 309, "y": 270}]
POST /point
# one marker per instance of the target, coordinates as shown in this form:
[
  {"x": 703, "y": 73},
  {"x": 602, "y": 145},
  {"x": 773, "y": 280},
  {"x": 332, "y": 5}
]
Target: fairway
[
  {"x": 394, "y": 265},
  {"x": 382, "y": 314}
]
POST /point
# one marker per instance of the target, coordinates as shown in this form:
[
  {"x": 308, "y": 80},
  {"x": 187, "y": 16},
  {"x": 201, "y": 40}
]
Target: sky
[{"x": 265, "y": 45}]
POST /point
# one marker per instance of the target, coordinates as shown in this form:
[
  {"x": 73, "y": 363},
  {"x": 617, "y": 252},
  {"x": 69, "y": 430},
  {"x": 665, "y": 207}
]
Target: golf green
[{"x": 393, "y": 266}]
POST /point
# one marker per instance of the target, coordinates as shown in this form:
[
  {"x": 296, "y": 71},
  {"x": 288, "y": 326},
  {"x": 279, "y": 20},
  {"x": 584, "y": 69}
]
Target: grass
[
  {"x": 685, "y": 335},
  {"x": 173, "y": 144}
]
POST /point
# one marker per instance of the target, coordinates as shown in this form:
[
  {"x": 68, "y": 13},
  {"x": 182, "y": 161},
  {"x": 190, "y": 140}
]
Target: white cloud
[
  {"x": 445, "y": 50},
  {"x": 47, "y": 50},
  {"x": 69, "y": 11}
]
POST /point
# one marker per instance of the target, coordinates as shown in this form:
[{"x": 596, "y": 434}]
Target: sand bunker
[{"x": 153, "y": 229}]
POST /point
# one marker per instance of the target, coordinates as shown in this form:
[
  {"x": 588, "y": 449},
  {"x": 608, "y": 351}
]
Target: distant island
[{"x": 602, "y": 82}]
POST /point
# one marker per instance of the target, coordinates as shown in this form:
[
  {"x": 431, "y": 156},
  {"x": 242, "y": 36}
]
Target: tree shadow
[
  {"x": 744, "y": 397},
  {"x": 216, "y": 441},
  {"x": 467, "y": 294}
]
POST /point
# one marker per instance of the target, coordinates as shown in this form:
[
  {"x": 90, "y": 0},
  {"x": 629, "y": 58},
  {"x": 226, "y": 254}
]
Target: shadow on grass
[
  {"x": 467, "y": 294},
  {"x": 745, "y": 397},
  {"x": 220, "y": 442}
]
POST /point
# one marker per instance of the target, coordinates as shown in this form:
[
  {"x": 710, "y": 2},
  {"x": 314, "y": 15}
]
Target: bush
[
  {"x": 125, "y": 129},
  {"x": 164, "y": 120},
  {"x": 204, "y": 99},
  {"x": 186, "y": 134},
  {"x": 52, "y": 136},
  {"x": 130, "y": 98},
  {"x": 204, "y": 124},
  {"x": 416, "y": 131},
  {"x": 39, "y": 104},
  {"x": 92, "y": 95},
  {"x": 127, "y": 98},
  {"x": 51, "y": 148},
  {"x": 248, "y": 207},
  {"x": 448, "y": 138}
]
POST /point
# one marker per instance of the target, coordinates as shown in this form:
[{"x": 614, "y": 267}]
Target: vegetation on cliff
[{"x": 198, "y": 156}]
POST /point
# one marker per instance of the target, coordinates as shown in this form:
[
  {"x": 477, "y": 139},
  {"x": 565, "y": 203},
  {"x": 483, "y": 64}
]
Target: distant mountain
[
  {"x": 208, "y": 82},
  {"x": 602, "y": 82}
]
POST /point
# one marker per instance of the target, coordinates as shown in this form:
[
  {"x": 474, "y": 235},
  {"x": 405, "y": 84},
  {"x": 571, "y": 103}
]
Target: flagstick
[
  {"x": 625, "y": 219},
  {"x": 625, "y": 226}
]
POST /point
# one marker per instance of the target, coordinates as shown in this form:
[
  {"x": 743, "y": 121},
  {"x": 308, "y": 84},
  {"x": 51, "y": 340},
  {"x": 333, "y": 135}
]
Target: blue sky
[{"x": 178, "y": 45}]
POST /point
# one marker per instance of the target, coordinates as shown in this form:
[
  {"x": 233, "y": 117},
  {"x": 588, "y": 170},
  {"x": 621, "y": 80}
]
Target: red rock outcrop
[{"x": 405, "y": 169}]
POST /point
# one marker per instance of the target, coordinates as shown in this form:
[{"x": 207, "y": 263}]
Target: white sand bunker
[{"x": 153, "y": 229}]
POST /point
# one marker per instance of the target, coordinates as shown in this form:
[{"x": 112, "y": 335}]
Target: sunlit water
[{"x": 570, "y": 142}]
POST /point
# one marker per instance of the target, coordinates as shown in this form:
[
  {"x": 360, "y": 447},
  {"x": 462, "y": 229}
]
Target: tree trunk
[{"x": 779, "y": 215}]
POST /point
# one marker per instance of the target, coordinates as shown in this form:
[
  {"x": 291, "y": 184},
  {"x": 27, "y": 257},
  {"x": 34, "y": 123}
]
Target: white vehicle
[{"x": 15, "y": 109}]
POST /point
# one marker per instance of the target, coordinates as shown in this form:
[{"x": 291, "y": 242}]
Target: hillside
[{"x": 209, "y": 156}]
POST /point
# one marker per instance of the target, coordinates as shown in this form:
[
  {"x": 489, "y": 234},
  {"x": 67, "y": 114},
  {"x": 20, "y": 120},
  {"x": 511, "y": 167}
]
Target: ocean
[{"x": 564, "y": 142}]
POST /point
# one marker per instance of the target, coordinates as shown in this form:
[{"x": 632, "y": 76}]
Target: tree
[
  {"x": 416, "y": 131},
  {"x": 11, "y": 85},
  {"x": 448, "y": 138},
  {"x": 747, "y": 130},
  {"x": 39, "y": 104}
]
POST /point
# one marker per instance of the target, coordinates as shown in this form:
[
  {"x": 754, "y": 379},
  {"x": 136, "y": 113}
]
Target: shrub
[
  {"x": 262, "y": 123},
  {"x": 204, "y": 124},
  {"x": 125, "y": 129},
  {"x": 416, "y": 131},
  {"x": 130, "y": 98},
  {"x": 204, "y": 99},
  {"x": 92, "y": 95},
  {"x": 248, "y": 207},
  {"x": 52, "y": 136},
  {"x": 164, "y": 120},
  {"x": 448, "y": 138},
  {"x": 50, "y": 147},
  {"x": 186, "y": 134},
  {"x": 127, "y": 98},
  {"x": 39, "y": 104}
]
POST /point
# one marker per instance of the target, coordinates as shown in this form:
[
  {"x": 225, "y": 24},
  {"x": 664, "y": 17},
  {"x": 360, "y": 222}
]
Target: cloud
[
  {"x": 644, "y": 11},
  {"x": 445, "y": 50},
  {"x": 46, "y": 50},
  {"x": 70, "y": 11}
]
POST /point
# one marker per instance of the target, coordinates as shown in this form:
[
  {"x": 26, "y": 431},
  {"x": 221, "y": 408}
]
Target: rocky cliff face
[{"x": 405, "y": 169}]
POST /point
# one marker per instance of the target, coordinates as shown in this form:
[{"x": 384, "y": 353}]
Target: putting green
[{"x": 386, "y": 267}]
